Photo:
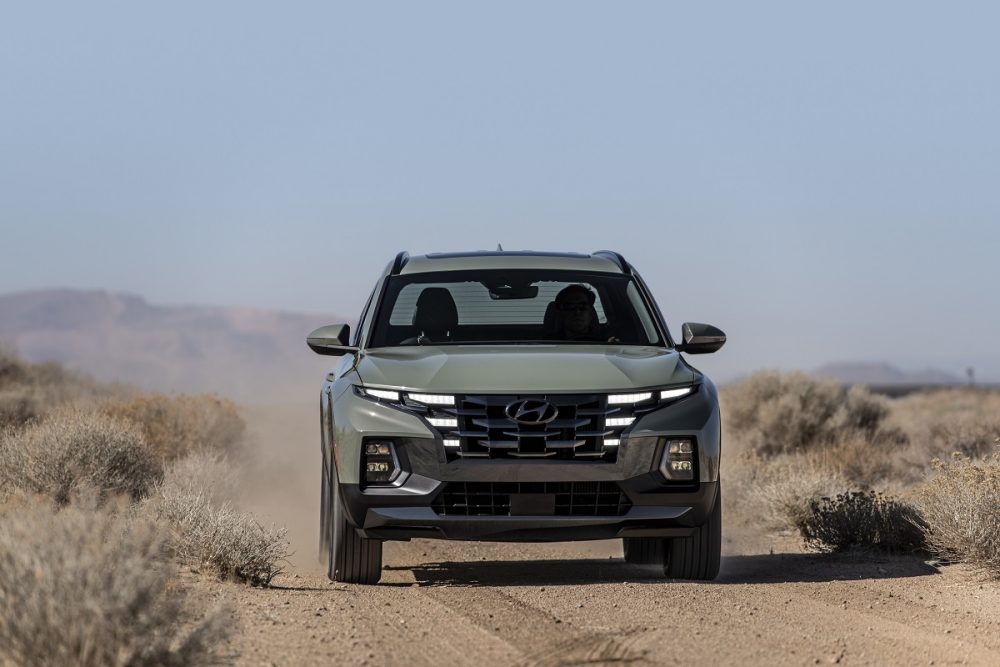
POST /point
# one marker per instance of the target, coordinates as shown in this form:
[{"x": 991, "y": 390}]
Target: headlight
[
  {"x": 384, "y": 394},
  {"x": 405, "y": 398},
  {"x": 644, "y": 398},
  {"x": 624, "y": 409},
  {"x": 670, "y": 394}
]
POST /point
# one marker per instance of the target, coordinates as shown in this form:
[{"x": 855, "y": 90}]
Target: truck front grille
[
  {"x": 566, "y": 498},
  {"x": 580, "y": 430}
]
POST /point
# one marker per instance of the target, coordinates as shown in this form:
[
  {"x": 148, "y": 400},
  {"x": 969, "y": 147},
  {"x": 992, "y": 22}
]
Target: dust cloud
[{"x": 281, "y": 476}]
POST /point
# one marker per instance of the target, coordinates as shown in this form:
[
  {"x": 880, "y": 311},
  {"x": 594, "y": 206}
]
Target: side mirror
[
  {"x": 332, "y": 340},
  {"x": 700, "y": 338}
]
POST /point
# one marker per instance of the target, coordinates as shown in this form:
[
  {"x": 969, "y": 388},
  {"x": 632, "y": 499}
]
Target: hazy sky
[{"x": 821, "y": 181}]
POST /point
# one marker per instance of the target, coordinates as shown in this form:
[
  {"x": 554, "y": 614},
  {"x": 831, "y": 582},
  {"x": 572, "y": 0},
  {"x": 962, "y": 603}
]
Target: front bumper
[
  {"x": 658, "y": 508},
  {"x": 385, "y": 516}
]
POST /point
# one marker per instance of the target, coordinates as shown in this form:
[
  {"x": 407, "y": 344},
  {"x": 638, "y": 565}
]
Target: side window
[{"x": 640, "y": 309}]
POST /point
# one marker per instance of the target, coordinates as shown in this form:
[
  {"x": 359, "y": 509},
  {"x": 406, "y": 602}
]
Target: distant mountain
[
  {"x": 886, "y": 374},
  {"x": 247, "y": 354}
]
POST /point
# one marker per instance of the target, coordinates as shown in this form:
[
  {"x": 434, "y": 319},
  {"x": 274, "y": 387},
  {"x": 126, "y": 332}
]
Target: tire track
[{"x": 543, "y": 639}]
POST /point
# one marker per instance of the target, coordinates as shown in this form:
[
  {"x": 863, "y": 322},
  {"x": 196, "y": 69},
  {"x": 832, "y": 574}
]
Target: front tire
[
  {"x": 644, "y": 550},
  {"x": 699, "y": 556},
  {"x": 352, "y": 559}
]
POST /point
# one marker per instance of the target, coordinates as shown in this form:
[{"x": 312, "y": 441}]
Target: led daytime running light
[
  {"x": 382, "y": 393},
  {"x": 668, "y": 394},
  {"x": 629, "y": 398},
  {"x": 432, "y": 399}
]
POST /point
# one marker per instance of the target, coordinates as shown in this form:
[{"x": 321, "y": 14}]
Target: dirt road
[{"x": 447, "y": 603}]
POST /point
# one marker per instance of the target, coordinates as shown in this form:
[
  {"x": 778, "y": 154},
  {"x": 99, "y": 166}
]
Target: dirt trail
[{"x": 448, "y": 603}]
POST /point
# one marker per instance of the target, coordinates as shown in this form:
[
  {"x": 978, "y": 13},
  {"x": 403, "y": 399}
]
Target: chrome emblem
[{"x": 531, "y": 411}]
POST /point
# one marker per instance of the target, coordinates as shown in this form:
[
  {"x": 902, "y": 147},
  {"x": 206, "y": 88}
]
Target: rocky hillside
[{"x": 247, "y": 354}]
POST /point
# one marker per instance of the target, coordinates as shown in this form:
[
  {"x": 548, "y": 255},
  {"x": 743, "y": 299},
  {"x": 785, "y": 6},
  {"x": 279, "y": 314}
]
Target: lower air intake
[{"x": 551, "y": 498}]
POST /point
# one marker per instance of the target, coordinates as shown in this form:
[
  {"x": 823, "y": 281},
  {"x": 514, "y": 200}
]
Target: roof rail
[
  {"x": 401, "y": 259},
  {"x": 616, "y": 258}
]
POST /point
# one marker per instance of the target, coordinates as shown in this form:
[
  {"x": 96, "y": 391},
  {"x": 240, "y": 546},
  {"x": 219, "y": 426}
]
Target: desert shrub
[
  {"x": 961, "y": 506},
  {"x": 19, "y": 404},
  {"x": 210, "y": 475},
  {"x": 776, "y": 412},
  {"x": 864, "y": 461},
  {"x": 85, "y": 586},
  {"x": 232, "y": 543},
  {"x": 29, "y": 391},
  {"x": 74, "y": 449},
  {"x": 784, "y": 490},
  {"x": 861, "y": 520},
  {"x": 773, "y": 413},
  {"x": 967, "y": 435},
  {"x": 175, "y": 426},
  {"x": 862, "y": 410}
]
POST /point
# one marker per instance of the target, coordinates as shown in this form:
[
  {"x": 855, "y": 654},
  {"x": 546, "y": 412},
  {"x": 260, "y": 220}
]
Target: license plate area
[{"x": 532, "y": 504}]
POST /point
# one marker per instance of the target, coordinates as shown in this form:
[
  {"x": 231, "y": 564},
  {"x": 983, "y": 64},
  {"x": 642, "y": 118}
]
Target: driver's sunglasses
[{"x": 573, "y": 307}]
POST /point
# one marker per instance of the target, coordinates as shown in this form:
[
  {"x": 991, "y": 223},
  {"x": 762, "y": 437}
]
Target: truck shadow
[{"x": 741, "y": 569}]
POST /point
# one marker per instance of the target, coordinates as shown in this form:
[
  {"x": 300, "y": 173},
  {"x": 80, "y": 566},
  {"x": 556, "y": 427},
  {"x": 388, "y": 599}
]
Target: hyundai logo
[{"x": 531, "y": 411}]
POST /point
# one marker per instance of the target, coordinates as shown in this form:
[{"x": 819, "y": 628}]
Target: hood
[{"x": 544, "y": 369}]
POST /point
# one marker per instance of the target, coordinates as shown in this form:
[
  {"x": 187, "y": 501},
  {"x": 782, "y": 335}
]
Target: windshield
[{"x": 522, "y": 306}]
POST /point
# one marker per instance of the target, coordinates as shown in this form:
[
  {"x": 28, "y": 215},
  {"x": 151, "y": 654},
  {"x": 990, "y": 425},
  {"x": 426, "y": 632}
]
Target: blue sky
[{"x": 819, "y": 180}]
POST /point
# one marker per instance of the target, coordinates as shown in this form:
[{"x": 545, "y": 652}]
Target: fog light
[
  {"x": 680, "y": 447},
  {"x": 678, "y": 460},
  {"x": 380, "y": 463}
]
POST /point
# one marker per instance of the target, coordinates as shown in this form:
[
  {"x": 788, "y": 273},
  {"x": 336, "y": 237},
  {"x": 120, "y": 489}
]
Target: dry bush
[
  {"x": 176, "y": 426},
  {"x": 774, "y": 413},
  {"x": 73, "y": 449},
  {"x": 940, "y": 423},
  {"x": 945, "y": 421},
  {"x": 785, "y": 490},
  {"x": 19, "y": 404},
  {"x": 209, "y": 475},
  {"x": 864, "y": 461},
  {"x": 862, "y": 520},
  {"x": 969, "y": 436},
  {"x": 961, "y": 505},
  {"x": 84, "y": 586},
  {"x": 30, "y": 391},
  {"x": 232, "y": 543}
]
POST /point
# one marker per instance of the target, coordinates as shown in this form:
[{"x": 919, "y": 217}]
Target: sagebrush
[
  {"x": 89, "y": 586},
  {"x": 74, "y": 448},
  {"x": 782, "y": 413},
  {"x": 862, "y": 520},
  {"x": 176, "y": 426},
  {"x": 29, "y": 391},
  {"x": 961, "y": 506},
  {"x": 206, "y": 531}
]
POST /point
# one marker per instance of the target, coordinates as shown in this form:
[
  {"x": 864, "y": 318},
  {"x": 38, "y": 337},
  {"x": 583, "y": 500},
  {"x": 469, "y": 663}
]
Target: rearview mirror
[
  {"x": 700, "y": 338},
  {"x": 333, "y": 340}
]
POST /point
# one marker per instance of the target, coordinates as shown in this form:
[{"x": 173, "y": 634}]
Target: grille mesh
[
  {"x": 577, "y": 433},
  {"x": 494, "y": 498}
]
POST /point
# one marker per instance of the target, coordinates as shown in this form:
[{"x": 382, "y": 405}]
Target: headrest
[
  {"x": 550, "y": 323},
  {"x": 435, "y": 311}
]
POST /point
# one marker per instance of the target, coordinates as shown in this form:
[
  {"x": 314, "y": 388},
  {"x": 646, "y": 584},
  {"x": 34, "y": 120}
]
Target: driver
[{"x": 576, "y": 317}]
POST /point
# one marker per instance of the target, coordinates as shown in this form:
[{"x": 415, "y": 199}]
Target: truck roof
[{"x": 602, "y": 261}]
